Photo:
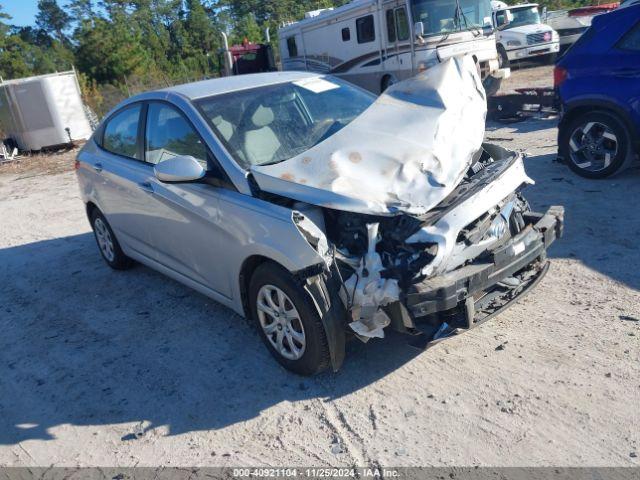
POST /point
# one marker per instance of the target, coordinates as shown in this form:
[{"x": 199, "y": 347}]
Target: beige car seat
[{"x": 261, "y": 144}]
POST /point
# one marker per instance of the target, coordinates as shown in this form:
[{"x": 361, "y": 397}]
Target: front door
[
  {"x": 397, "y": 58},
  {"x": 186, "y": 228}
]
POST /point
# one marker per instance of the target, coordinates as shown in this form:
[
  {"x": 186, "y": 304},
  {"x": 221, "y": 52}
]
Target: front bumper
[
  {"x": 470, "y": 295},
  {"x": 533, "y": 51}
]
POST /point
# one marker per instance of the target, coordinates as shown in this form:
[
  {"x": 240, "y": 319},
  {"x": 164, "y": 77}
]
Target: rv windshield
[
  {"x": 439, "y": 16},
  {"x": 271, "y": 124},
  {"x": 522, "y": 16}
]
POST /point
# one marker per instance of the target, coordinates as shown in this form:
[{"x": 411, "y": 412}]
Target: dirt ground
[{"x": 99, "y": 367}]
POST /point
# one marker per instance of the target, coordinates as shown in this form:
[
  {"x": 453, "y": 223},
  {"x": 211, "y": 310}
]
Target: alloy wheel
[
  {"x": 280, "y": 322},
  {"x": 105, "y": 242},
  {"x": 593, "y": 146}
]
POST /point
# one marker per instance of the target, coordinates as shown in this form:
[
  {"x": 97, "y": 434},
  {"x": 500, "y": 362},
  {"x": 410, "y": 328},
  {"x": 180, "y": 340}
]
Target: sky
[{"x": 22, "y": 11}]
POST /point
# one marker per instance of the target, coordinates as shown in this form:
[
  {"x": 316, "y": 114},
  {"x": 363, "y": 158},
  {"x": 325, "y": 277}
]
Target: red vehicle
[{"x": 246, "y": 58}]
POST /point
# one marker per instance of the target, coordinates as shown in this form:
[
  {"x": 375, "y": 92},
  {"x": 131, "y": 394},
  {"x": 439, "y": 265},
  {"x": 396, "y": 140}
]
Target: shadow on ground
[
  {"x": 84, "y": 345},
  {"x": 602, "y": 224}
]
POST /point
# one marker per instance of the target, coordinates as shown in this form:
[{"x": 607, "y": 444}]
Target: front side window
[
  {"x": 402, "y": 24},
  {"x": 391, "y": 26},
  {"x": 271, "y": 124},
  {"x": 440, "y": 17},
  {"x": 365, "y": 29},
  {"x": 121, "y": 133},
  {"x": 169, "y": 134},
  {"x": 631, "y": 41}
]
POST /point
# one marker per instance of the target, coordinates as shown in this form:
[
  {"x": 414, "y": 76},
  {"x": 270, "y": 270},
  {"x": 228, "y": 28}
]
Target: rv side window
[
  {"x": 365, "y": 29},
  {"x": 391, "y": 26},
  {"x": 292, "y": 47},
  {"x": 346, "y": 34},
  {"x": 402, "y": 24}
]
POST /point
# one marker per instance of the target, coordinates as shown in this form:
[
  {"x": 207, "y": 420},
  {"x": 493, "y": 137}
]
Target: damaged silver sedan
[{"x": 319, "y": 211}]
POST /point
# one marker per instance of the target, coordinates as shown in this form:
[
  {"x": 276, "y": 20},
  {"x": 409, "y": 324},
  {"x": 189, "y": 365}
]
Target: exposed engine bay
[{"x": 388, "y": 267}]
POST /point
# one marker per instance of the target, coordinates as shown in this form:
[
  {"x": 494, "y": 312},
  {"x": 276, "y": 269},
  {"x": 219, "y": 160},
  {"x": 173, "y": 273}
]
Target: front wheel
[
  {"x": 594, "y": 144},
  {"x": 288, "y": 321}
]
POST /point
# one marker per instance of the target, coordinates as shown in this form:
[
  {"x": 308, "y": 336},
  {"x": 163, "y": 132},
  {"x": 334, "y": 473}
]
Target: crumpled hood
[{"x": 405, "y": 153}]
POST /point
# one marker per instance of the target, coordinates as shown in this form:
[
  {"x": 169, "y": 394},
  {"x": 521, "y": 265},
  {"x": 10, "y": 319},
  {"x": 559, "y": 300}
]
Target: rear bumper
[{"x": 474, "y": 293}]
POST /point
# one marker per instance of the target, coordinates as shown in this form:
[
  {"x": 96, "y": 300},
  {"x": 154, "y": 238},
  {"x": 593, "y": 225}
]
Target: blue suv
[{"x": 598, "y": 84}]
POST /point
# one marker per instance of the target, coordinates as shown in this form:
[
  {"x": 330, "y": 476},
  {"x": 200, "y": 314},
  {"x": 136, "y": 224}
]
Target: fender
[{"x": 324, "y": 291}]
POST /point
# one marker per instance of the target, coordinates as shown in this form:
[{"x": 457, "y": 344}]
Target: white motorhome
[
  {"x": 375, "y": 43},
  {"x": 520, "y": 33}
]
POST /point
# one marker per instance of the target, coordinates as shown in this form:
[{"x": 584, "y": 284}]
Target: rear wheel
[
  {"x": 288, "y": 321},
  {"x": 107, "y": 242},
  {"x": 594, "y": 144}
]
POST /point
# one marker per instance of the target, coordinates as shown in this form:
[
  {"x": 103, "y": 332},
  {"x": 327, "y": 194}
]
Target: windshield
[
  {"x": 268, "y": 125},
  {"x": 439, "y": 16},
  {"x": 522, "y": 16}
]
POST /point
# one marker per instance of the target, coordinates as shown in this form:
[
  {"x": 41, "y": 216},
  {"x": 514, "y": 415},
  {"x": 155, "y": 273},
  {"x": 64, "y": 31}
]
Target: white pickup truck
[{"x": 520, "y": 33}]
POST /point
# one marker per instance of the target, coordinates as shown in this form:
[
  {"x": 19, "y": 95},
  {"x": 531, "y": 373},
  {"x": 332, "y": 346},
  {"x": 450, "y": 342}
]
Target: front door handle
[
  {"x": 146, "y": 186},
  {"x": 97, "y": 167}
]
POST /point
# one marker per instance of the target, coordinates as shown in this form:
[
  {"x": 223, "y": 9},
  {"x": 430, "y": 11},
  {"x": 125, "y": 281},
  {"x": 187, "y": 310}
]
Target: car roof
[{"x": 217, "y": 86}]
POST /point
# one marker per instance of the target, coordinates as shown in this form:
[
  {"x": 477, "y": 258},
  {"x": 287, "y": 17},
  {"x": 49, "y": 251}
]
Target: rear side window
[
  {"x": 121, "y": 133},
  {"x": 346, "y": 34},
  {"x": 292, "y": 47},
  {"x": 169, "y": 135},
  {"x": 631, "y": 40},
  {"x": 365, "y": 29}
]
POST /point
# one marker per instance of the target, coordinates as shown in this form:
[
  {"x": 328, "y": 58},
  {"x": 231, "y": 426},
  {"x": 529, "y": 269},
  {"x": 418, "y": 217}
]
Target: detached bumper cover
[{"x": 479, "y": 291}]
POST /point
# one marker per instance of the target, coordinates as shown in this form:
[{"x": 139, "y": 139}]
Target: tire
[
  {"x": 108, "y": 243},
  {"x": 587, "y": 139},
  {"x": 503, "y": 58},
  {"x": 551, "y": 59},
  {"x": 297, "y": 314}
]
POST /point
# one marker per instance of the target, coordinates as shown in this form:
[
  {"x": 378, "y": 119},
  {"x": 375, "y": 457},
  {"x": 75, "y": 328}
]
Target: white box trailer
[
  {"x": 43, "y": 111},
  {"x": 375, "y": 43}
]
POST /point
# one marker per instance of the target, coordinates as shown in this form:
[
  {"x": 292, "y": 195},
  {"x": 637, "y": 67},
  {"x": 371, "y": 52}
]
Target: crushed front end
[{"x": 437, "y": 274}]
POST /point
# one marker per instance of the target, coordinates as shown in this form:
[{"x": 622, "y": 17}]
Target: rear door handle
[
  {"x": 97, "y": 167},
  {"x": 146, "y": 186}
]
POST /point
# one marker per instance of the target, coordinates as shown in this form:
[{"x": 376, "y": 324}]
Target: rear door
[
  {"x": 122, "y": 180},
  {"x": 625, "y": 69}
]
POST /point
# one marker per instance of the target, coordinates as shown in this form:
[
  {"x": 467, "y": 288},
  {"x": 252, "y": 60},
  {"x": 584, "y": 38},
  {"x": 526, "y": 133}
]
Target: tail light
[
  {"x": 76, "y": 164},
  {"x": 559, "y": 76}
]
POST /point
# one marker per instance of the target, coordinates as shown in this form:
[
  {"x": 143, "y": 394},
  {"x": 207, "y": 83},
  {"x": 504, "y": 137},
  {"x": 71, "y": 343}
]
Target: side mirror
[
  {"x": 418, "y": 29},
  {"x": 183, "y": 168}
]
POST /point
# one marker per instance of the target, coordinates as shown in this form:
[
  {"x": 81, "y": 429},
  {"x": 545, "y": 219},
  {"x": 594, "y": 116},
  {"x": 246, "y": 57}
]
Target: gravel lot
[{"x": 130, "y": 368}]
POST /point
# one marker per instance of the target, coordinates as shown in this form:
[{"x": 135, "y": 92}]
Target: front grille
[{"x": 536, "y": 38}]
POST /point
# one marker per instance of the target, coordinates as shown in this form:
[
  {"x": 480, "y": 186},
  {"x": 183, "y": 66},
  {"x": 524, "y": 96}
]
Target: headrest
[{"x": 262, "y": 117}]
